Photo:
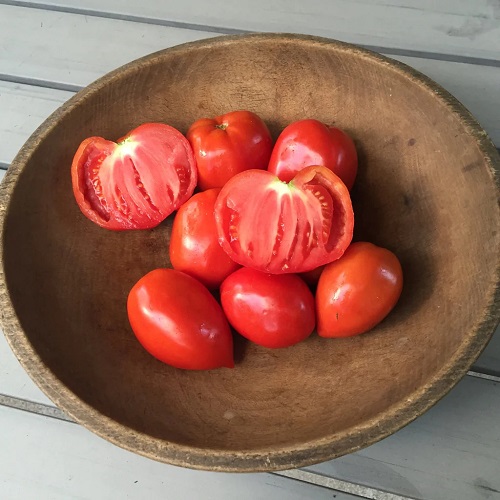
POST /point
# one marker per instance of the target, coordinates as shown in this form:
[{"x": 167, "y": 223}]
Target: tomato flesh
[
  {"x": 277, "y": 228},
  {"x": 137, "y": 183}
]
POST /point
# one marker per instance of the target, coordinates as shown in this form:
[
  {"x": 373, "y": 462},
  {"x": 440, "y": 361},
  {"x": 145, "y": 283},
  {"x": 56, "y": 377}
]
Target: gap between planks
[
  {"x": 219, "y": 30},
  {"x": 330, "y": 483}
]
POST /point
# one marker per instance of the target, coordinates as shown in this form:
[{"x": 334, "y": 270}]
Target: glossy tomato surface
[
  {"x": 268, "y": 309},
  {"x": 229, "y": 144},
  {"x": 275, "y": 227},
  {"x": 310, "y": 142},
  {"x": 178, "y": 321},
  {"x": 136, "y": 183},
  {"x": 194, "y": 242},
  {"x": 358, "y": 291}
]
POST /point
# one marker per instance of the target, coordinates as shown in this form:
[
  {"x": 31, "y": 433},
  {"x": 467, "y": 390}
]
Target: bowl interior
[{"x": 424, "y": 190}]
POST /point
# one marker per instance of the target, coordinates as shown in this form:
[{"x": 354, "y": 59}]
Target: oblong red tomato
[
  {"x": 136, "y": 183},
  {"x": 228, "y": 144},
  {"x": 358, "y": 291},
  {"x": 194, "y": 242},
  {"x": 310, "y": 142},
  {"x": 178, "y": 321},
  {"x": 268, "y": 309},
  {"x": 277, "y": 228}
]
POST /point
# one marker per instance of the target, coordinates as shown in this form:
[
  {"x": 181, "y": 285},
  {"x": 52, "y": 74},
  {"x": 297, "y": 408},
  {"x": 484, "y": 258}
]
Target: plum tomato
[
  {"x": 310, "y": 142},
  {"x": 178, "y": 321},
  {"x": 194, "y": 244},
  {"x": 268, "y": 309},
  {"x": 358, "y": 291}
]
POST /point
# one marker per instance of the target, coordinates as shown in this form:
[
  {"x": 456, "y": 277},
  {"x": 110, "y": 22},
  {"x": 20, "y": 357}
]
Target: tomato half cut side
[
  {"x": 137, "y": 183},
  {"x": 276, "y": 227}
]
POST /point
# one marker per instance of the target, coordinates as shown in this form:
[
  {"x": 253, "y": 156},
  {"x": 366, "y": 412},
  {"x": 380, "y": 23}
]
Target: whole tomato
[
  {"x": 226, "y": 145},
  {"x": 268, "y": 309},
  {"x": 358, "y": 291},
  {"x": 178, "y": 321},
  {"x": 277, "y": 228},
  {"x": 194, "y": 243},
  {"x": 310, "y": 142},
  {"x": 136, "y": 183}
]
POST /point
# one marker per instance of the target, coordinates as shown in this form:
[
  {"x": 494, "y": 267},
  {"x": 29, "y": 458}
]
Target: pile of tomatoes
[{"x": 269, "y": 225}]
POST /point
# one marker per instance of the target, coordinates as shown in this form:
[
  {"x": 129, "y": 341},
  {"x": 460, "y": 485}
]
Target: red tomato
[
  {"x": 268, "y": 309},
  {"x": 310, "y": 142},
  {"x": 136, "y": 183},
  {"x": 177, "y": 320},
  {"x": 229, "y": 144},
  {"x": 358, "y": 291},
  {"x": 274, "y": 227},
  {"x": 194, "y": 243}
]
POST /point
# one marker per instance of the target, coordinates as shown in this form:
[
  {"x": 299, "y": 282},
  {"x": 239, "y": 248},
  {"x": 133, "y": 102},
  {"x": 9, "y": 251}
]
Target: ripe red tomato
[
  {"x": 358, "y": 291},
  {"x": 310, "y": 142},
  {"x": 194, "y": 243},
  {"x": 178, "y": 321},
  {"x": 136, "y": 183},
  {"x": 274, "y": 227},
  {"x": 229, "y": 144},
  {"x": 268, "y": 309}
]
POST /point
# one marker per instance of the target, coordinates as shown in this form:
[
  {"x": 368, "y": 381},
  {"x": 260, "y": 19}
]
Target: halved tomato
[
  {"x": 278, "y": 227},
  {"x": 136, "y": 183}
]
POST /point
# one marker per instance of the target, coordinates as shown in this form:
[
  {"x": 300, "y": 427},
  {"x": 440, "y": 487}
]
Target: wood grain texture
[
  {"x": 69, "y": 328},
  {"x": 463, "y": 425},
  {"x": 62, "y": 461},
  {"x": 22, "y": 109},
  {"x": 450, "y": 453},
  {"x": 454, "y": 27},
  {"x": 74, "y": 64}
]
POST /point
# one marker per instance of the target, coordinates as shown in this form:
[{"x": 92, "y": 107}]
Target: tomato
[
  {"x": 357, "y": 291},
  {"x": 194, "y": 244},
  {"x": 268, "y": 309},
  {"x": 274, "y": 227},
  {"x": 229, "y": 144},
  {"x": 136, "y": 183},
  {"x": 178, "y": 321},
  {"x": 310, "y": 142}
]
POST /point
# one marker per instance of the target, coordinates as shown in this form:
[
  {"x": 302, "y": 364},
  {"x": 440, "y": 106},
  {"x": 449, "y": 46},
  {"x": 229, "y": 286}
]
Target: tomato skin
[
  {"x": 136, "y": 183},
  {"x": 278, "y": 228},
  {"x": 228, "y": 144},
  {"x": 268, "y": 309},
  {"x": 310, "y": 142},
  {"x": 178, "y": 321},
  {"x": 194, "y": 242},
  {"x": 358, "y": 291}
]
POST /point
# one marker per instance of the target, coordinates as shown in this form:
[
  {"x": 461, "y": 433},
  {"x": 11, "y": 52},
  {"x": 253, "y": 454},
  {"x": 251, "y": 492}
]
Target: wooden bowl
[{"x": 426, "y": 190}]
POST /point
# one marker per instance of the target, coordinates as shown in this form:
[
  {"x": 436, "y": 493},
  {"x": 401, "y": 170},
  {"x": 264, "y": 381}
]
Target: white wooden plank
[
  {"x": 450, "y": 453},
  {"x": 75, "y": 63},
  {"x": 14, "y": 381},
  {"x": 430, "y": 458},
  {"x": 76, "y": 49},
  {"x": 22, "y": 109},
  {"x": 43, "y": 458},
  {"x": 454, "y": 27}
]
